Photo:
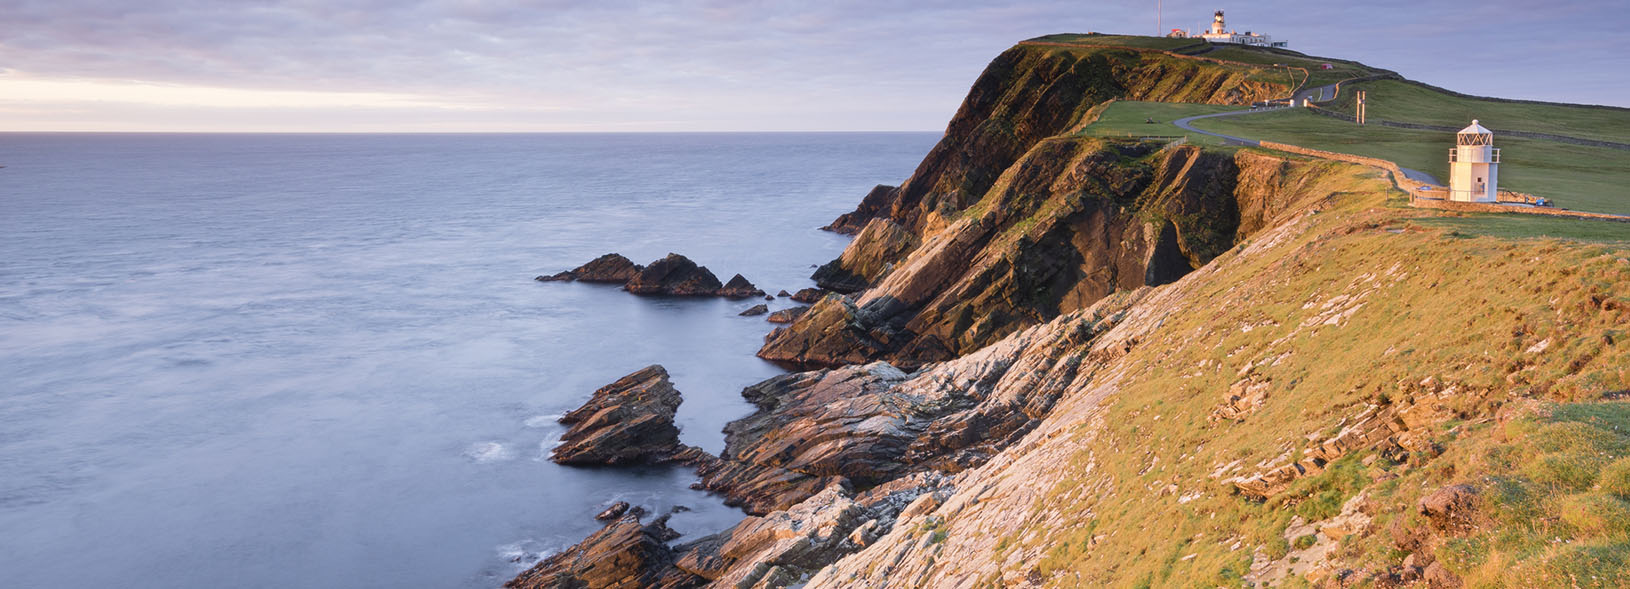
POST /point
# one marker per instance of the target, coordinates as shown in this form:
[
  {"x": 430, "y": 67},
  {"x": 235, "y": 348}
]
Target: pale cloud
[
  {"x": 685, "y": 65},
  {"x": 21, "y": 90}
]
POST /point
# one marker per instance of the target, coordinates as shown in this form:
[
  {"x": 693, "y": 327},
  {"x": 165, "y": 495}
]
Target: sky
[{"x": 692, "y": 65}]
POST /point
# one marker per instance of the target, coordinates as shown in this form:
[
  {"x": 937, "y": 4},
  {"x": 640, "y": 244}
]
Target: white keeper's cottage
[{"x": 1474, "y": 165}]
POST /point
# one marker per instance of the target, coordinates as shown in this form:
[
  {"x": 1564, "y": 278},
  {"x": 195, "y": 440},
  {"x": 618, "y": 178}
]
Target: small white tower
[
  {"x": 1217, "y": 27},
  {"x": 1474, "y": 165}
]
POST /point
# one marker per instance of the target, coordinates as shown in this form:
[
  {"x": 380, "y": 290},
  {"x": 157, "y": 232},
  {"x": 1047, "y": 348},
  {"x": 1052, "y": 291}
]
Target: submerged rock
[
  {"x": 628, "y": 421},
  {"x": 759, "y": 309}
]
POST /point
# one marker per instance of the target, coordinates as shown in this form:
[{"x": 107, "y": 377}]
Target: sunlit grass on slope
[
  {"x": 1468, "y": 311},
  {"x": 1576, "y": 176},
  {"x": 1394, "y": 100}
]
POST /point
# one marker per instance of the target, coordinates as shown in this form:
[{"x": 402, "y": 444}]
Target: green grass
[
  {"x": 1342, "y": 70},
  {"x": 1127, "y": 118},
  {"x": 1532, "y": 227},
  {"x": 1134, "y": 41},
  {"x": 1392, "y": 100},
  {"x": 1467, "y": 312},
  {"x": 1576, "y": 176}
]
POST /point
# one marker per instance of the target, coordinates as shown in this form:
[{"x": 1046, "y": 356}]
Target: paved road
[
  {"x": 1325, "y": 93},
  {"x": 1183, "y": 124}
]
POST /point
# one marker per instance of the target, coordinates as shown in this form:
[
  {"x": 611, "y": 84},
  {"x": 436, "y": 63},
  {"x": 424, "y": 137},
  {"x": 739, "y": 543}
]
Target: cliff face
[
  {"x": 1066, "y": 361},
  {"x": 1349, "y": 400},
  {"x": 1072, "y": 221},
  {"x": 1030, "y": 93},
  {"x": 1010, "y": 220}
]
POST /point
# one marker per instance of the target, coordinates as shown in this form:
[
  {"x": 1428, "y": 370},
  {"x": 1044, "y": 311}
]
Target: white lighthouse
[{"x": 1474, "y": 165}]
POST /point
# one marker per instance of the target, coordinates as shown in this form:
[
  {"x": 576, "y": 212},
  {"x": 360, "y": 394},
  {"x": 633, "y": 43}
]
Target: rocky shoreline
[
  {"x": 952, "y": 418},
  {"x": 931, "y": 344}
]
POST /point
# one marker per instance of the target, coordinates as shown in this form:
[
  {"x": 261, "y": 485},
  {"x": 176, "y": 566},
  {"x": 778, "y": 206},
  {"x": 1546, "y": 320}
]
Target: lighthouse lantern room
[{"x": 1474, "y": 165}]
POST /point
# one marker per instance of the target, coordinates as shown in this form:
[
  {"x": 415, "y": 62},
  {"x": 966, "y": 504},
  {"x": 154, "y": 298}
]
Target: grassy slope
[
  {"x": 1393, "y": 100},
  {"x": 1341, "y": 70},
  {"x": 1577, "y": 176},
  {"x": 1129, "y": 118},
  {"x": 1464, "y": 312}
]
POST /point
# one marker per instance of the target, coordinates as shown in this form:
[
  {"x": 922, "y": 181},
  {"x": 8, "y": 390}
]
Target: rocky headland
[{"x": 1054, "y": 360}]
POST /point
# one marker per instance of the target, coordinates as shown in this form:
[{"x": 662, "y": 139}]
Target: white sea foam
[
  {"x": 485, "y": 452},
  {"x": 525, "y": 553},
  {"x": 543, "y": 420}
]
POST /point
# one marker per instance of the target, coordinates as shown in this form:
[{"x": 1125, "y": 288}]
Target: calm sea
[{"x": 321, "y": 360}]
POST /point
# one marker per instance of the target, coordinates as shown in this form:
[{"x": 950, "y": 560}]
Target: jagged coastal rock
[
  {"x": 630, "y": 421},
  {"x": 609, "y": 268},
  {"x": 1048, "y": 359},
  {"x": 624, "y": 555},
  {"x": 787, "y": 315},
  {"x": 808, "y": 295},
  {"x": 739, "y": 288},
  {"x": 674, "y": 275},
  {"x": 755, "y": 310}
]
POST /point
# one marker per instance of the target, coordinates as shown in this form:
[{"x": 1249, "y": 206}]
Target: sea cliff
[{"x": 1057, "y": 360}]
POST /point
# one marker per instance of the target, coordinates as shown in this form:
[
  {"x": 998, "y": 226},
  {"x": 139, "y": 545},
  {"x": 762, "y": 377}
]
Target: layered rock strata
[
  {"x": 1009, "y": 222},
  {"x": 630, "y": 421},
  {"x": 1073, "y": 221},
  {"x": 610, "y": 268},
  {"x": 624, "y": 555}
]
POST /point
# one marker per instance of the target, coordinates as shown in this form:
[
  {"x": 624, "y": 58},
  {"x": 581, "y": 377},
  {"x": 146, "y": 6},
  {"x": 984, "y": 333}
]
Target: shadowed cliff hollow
[{"x": 1012, "y": 220}]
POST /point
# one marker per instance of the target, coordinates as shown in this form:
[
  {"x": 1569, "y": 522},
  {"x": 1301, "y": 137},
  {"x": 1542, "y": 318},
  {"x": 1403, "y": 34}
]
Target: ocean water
[{"x": 321, "y": 360}]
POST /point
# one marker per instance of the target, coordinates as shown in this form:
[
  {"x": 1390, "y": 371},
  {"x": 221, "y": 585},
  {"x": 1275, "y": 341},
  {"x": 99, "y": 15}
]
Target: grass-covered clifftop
[
  {"x": 1352, "y": 393},
  {"x": 1279, "y": 416}
]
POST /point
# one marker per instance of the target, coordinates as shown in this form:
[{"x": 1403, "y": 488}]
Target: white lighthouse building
[
  {"x": 1219, "y": 33},
  {"x": 1474, "y": 165}
]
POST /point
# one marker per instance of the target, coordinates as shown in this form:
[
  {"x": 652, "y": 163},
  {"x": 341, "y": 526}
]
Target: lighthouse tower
[
  {"x": 1217, "y": 27},
  {"x": 1474, "y": 165}
]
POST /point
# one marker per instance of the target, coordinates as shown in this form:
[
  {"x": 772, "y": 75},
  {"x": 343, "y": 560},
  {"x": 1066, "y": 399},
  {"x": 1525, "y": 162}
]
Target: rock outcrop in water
[
  {"x": 674, "y": 275},
  {"x": 630, "y": 421},
  {"x": 624, "y": 555},
  {"x": 738, "y": 287},
  {"x": 609, "y": 268}
]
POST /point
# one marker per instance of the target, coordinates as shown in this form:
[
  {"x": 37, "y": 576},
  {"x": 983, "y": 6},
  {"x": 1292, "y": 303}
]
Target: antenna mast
[{"x": 1158, "y": 30}]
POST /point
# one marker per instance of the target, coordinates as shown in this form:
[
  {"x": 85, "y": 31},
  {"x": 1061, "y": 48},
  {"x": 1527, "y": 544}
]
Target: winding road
[{"x": 1316, "y": 94}]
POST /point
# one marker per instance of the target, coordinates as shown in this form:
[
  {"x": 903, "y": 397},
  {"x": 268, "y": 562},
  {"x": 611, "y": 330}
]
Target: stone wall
[
  {"x": 1484, "y": 207},
  {"x": 1398, "y": 178}
]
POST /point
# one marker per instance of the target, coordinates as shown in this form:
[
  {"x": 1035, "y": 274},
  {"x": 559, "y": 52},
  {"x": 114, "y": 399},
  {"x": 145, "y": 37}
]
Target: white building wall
[{"x": 1472, "y": 174}]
